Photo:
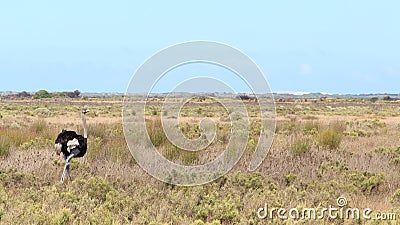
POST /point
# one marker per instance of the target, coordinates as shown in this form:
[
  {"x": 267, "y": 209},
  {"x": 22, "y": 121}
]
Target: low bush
[
  {"x": 42, "y": 94},
  {"x": 331, "y": 137},
  {"x": 300, "y": 145},
  {"x": 311, "y": 127}
]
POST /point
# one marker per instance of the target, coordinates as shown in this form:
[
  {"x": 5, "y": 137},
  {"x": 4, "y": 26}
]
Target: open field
[{"x": 322, "y": 150}]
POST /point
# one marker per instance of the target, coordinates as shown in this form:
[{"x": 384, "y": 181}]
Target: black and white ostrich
[{"x": 72, "y": 145}]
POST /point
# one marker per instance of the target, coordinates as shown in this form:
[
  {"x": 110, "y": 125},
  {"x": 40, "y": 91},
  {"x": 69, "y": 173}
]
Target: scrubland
[{"x": 322, "y": 150}]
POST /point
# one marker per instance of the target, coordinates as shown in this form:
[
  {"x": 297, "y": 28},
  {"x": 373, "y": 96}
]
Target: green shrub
[
  {"x": 36, "y": 143},
  {"x": 290, "y": 178},
  {"x": 42, "y": 94},
  {"x": 299, "y": 146},
  {"x": 42, "y": 112},
  {"x": 190, "y": 130},
  {"x": 359, "y": 133},
  {"x": 367, "y": 181},
  {"x": 392, "y": 153},
  {"x": 251, "y": 181},
  {"x": 331, "y": 137},
  {"x": 311, "y": 127}
]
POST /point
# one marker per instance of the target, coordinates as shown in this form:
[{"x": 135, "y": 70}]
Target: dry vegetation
[{"x": 321, "y": 151}]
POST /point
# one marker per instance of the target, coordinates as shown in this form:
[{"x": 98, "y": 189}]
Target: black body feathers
[{"x": 66, "y": 136}]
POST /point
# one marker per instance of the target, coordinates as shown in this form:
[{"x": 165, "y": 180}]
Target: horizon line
[{"x": 296, "y": 93}]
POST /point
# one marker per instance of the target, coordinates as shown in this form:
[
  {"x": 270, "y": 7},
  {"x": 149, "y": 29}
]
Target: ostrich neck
[{"x": 84, "y": 125}]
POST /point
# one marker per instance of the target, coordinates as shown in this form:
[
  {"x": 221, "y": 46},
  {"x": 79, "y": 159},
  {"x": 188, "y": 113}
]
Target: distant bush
[
  {"x": 300, "y": 145},
  {"x": 387, "y": 98},
  {"x": 42, "y": 112},
  {"x": 374, "y": 99},
  {"x": 331, "y": 137},
  {"x": 42, "y": 94},
  {"x": 74, "y": 94}
]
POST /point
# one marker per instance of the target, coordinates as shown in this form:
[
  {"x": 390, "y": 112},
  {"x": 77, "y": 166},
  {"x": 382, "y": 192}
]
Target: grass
[
  {"x": 13, "y": 138},
  {"x": 315, "y": 158},
  {"x": 5, "y": 144},
  {"x": 156, "y": 133},
  {"x": 332, "y": 136},
  {"x": 300, "y": 145}
]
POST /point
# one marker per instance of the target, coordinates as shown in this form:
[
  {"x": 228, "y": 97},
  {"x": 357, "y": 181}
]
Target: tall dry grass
[{"x": 110, "y": 188}]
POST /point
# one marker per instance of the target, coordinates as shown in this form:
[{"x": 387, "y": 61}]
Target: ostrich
[{"x": 72, "y": 145}]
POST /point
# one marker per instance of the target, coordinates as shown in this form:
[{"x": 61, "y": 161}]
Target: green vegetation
[
  {"x": 42, "y": 94},
  {"x": 319, "y": 153},
  {"x": 331, "y": 137},
  {"x": 300, "y": 145}
]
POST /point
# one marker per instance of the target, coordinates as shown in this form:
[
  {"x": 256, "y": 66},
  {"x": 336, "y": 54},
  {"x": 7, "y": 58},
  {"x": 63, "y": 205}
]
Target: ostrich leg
[{"x": 67, "y": 168}]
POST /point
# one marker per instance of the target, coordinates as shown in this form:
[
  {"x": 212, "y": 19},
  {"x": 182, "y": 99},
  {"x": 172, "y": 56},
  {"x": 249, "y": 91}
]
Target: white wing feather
[{"x": 72, "y": 144}]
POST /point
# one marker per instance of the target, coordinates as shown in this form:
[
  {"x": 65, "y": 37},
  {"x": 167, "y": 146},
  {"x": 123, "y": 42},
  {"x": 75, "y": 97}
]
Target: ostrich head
[
  {"x": 85, "y": 110},
  {"x": 58, "y": 148},
  {"x": 59, "y": 141}
]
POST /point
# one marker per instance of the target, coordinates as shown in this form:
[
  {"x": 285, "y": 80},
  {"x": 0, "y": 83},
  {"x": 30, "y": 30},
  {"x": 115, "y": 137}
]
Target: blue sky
[{"x": 96, "y": 46}]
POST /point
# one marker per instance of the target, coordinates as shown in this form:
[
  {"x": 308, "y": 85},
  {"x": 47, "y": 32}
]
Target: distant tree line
[
  {"x": 246, "y": 97},
  {"x": 69, "y": 94},
  {"x": 385, "y": 98},
  {"x": 45, "y": 94}
]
